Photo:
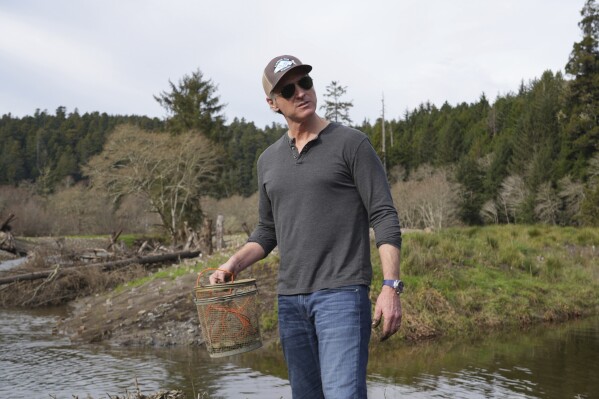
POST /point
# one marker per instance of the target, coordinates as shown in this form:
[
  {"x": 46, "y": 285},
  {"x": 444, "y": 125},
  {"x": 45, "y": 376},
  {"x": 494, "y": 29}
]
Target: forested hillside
[
  {"x": 47, "y": 148},
  {"x": 528, "y": 156}
]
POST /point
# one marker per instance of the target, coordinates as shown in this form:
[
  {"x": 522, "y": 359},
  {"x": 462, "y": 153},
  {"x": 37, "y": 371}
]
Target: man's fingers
[
  {"x": 378, "y": 315},
  {"x": 218, "y": 277},
  {"x": 389, "y": 327}
]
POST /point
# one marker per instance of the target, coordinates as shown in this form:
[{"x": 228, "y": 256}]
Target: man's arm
[
  {"x": 388, "y": 304},
  {"x": 250, "y": 253}
]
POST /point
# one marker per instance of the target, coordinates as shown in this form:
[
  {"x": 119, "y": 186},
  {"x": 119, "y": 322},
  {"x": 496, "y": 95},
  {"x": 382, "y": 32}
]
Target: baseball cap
[{"x": 279, "y": 67}]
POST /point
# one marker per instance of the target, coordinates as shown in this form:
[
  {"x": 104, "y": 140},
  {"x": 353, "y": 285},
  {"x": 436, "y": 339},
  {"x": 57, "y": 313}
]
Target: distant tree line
[
  {"x": 529, "y": 156},
  {"x": 50, "y": 150},
  {"x": 47, "y": 149}
]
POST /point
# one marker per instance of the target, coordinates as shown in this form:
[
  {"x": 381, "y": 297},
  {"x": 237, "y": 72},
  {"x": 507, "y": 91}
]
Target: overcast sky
[{"x": 113, "y": 55}]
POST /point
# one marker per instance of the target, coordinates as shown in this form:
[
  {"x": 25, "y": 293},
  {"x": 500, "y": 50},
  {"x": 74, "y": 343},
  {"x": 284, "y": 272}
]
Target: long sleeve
[
  {"x": 265, "y": 233},
  {"x": 371, "y": 182}
]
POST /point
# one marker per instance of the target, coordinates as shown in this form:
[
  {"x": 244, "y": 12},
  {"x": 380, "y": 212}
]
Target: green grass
[
  {"x": 475, "y": 279},
  {"x": 171, "y": 273}
]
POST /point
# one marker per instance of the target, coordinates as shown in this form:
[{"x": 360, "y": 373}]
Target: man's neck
[{"x": 307, "y": 129}]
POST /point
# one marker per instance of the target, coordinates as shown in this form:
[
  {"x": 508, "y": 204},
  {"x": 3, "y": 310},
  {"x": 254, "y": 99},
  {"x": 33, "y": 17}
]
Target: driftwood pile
[
  {"x": 57, "y": 271},
  {"x": 103, "y": 266},
  {"x": 112, "y": 257}
]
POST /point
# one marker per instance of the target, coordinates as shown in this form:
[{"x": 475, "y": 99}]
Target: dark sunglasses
[{"x": 288, "y": 90}]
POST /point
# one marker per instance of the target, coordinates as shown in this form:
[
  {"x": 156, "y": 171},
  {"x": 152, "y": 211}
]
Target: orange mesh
[{"x": 229, "y": 316}]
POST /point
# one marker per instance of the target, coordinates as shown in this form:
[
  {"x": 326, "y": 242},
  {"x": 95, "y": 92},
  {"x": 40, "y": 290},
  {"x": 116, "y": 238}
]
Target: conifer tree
[
  {"x": 335, "y": 109},
  {"x": 582, "y": 130},
  {"x": 192, "y": 104}
]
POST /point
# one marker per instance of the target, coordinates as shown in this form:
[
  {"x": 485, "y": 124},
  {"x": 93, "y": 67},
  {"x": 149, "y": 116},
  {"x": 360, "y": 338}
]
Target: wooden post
[
  {"x": 220, "y": 236},
  {"x": 206, "y": 237}
]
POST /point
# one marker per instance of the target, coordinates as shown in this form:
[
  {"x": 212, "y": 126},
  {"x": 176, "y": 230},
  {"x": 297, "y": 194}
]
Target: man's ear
[{"x": 272, "y": 104}]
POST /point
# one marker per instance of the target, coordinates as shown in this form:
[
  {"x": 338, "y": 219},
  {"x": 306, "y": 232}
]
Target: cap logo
[{"x": 283, "y": 64}]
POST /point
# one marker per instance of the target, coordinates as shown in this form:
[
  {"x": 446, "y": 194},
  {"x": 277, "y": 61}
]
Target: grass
[
  {"x": 171, "y": 273},
  {"x": 476, "y": 279},
  {"x": 470, "y": 280}
]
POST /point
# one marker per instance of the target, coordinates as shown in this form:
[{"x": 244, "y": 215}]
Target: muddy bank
[
  {"x": 103, "y": 306},
  {"x": 160, "y": 312}
]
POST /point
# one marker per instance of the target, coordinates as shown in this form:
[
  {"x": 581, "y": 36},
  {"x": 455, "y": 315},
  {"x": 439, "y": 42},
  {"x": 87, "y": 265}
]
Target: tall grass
[{"x": 471, "y": 280}]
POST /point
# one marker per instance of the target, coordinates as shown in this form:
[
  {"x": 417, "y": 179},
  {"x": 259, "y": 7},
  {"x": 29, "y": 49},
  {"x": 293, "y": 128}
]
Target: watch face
[{"x": 398, "y": 285}]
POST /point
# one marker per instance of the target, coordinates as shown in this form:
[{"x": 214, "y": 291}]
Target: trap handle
[{"x": 213, "y": 269}]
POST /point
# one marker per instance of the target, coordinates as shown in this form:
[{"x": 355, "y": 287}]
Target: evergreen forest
[{"x": 528, "y": 156}]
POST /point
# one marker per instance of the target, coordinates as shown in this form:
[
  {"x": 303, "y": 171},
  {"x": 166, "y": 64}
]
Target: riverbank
[
  {"x": 158, "y": 309},
  {"x": 462, "y": 281}
]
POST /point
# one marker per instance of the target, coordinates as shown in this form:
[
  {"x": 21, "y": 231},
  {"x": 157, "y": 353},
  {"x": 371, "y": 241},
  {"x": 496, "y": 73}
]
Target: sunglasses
[{"x": 288, "y": 90}]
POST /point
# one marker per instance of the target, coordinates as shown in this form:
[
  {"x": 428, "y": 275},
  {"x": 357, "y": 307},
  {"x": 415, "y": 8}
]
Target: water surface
[{"x": 546, "y": 362}]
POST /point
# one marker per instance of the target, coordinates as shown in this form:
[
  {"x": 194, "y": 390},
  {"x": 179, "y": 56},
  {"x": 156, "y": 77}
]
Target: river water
[{"x": 547, "y": 362}]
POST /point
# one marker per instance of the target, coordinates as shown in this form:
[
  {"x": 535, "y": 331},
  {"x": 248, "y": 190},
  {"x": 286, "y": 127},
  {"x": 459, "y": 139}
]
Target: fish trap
[{"x": 229, "y": 316}]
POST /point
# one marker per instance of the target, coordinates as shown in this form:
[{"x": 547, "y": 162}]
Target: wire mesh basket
[{"x": 229, "y": 316}]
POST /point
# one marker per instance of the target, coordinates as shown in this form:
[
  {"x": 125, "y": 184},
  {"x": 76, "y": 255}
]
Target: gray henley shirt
[{"x": 317, "y": 206}]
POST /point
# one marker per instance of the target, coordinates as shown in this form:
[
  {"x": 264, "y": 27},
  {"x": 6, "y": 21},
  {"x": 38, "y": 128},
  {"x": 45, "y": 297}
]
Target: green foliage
[
  {"x": 243, "y": 144},
  {"x": 46, "y": 148},
  {"x": 589, "y": 212},
  {"x": 192, "y": 104},
  {"x": 472, "y": 280},
  {"x": 269, "y": 320},
  {"x": 582, "y": 128},
  {"x": 469, "y": 174}
]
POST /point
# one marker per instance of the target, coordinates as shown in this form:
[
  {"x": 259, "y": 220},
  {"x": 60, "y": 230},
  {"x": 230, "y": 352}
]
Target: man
[{"x": 321, "y": 187}]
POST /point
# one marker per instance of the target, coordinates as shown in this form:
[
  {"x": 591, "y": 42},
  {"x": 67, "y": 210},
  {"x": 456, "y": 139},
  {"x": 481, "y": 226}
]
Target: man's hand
[
  {"x": 248, "y": 254},
  {"x": 222, "y": 275},
  {"x": 388, "y": 307}
]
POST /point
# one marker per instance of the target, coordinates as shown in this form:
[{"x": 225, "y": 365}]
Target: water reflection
[
  {"x": 546, "y": 362},
  {"x": 554, "y": 362},
  {"x": 35, "y": 363}
]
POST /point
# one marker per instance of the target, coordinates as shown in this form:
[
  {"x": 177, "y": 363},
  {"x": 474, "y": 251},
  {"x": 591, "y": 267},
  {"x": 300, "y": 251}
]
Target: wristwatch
[{"x": 397, "y": 285}]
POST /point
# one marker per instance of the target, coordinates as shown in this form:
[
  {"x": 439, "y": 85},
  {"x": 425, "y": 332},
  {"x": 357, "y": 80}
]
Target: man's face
[{"x": 301, "y": 104}]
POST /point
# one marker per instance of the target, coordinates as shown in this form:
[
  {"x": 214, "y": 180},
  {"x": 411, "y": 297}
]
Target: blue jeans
[{"x": 325, "y": 338}]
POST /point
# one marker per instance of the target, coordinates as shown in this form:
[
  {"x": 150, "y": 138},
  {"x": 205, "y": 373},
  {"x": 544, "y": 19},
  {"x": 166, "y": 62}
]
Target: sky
[{"x": 113, "y": 56}]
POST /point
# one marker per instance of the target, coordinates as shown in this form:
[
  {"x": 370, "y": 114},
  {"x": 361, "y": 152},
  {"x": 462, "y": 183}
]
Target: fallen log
[{"x": 106, "y": 266}]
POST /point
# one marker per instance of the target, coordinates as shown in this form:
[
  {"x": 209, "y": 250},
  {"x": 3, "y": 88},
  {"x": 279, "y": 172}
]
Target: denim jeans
[{"x": 325, "y": 338}]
